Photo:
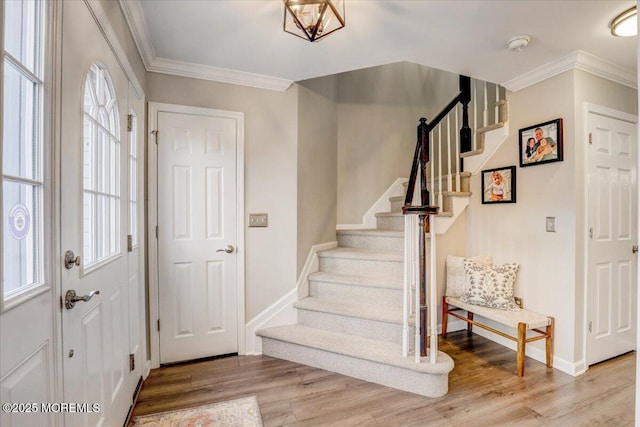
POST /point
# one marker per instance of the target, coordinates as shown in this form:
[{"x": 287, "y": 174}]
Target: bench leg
[
  {"x": 445, "y": 316},
  {"x": 549, "y": 342},
  {"x": 520, "y": 356},
  {"x": 469, "y": 325}
]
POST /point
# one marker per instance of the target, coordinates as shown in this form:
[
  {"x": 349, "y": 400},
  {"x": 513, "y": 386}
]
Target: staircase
[{"x": 352, "y": 322}]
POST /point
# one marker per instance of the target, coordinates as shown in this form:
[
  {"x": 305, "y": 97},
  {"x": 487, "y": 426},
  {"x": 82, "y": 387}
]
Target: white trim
[
  {"x": 139, "y": 30},
  {"x": 381, "y": 205},
  {"x": 577, "y": 60},
  {"x": 101, "y": 18},
  {"x": 279, "y": 313},
  {"x": 617, "y": 115},
  {"x": 282, "y": 311},
  {"x": 311, "y": 265},
  {"x": 221, "y": 75},
  {"x": 152, "y": 170}
]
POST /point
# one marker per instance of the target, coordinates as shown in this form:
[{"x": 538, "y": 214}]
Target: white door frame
[
  {"x": 152, "y": 218},
  {"x": 618, "y": 115}
]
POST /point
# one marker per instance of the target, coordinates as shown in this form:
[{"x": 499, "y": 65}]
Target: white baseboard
[
  {"x": 282, "y": 312},
  {"x": 279, "y": 313},
  {"x": 381, "y": 205},
  {"x": 311, "y": 265}
]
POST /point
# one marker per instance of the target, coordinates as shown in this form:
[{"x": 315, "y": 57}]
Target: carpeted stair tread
[
  {"x": 343, "y": 279},
  {"x": 377, "y": 232},
  {"x": 356, "y": 347},
  {"x": 362, "y": 254},
  {"x": 360, "y": 311}
]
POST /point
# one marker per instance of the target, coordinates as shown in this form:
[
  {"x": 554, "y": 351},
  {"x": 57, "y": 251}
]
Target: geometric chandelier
[{"x": 313, "y": 19}]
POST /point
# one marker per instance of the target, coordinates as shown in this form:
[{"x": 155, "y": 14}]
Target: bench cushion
[{"x": 509, "y": 318}]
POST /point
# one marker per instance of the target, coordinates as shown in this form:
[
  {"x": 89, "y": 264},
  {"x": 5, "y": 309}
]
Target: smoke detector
[{"x": 518, "y": 43}]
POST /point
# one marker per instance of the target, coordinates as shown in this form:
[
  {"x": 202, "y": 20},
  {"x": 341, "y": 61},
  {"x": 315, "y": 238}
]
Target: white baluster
[
  {"x": 486, "y": 106},
  {"x": 475, "y": 111},
  {"x": 497, "y": 114},
  {"x": 433, "y": 303},
  {"x": 405, "y": 288},
  {"x": 440, "y": 162},
  {"x": 457, "y": 150},
  {"x": 449, "y": 159},
  {"x": 416, "y": 281}
]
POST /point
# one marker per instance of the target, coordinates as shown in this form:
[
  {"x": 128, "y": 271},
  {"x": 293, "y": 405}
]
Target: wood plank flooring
[{"x": 483, "y": 391}]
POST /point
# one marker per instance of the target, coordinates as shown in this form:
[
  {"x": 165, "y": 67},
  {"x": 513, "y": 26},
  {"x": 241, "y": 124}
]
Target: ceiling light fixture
[
  {"x": 313, "y": 19},
  {"x": 625, "y": 24}
]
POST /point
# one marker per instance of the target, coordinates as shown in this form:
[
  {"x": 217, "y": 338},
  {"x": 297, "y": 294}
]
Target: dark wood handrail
[{"x": 424, "y": 210}]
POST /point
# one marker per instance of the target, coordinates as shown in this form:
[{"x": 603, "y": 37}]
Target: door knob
[
  {"x": 228, "y": 249},
  {"x": 71, "y": 298},
  {"x": 70, "y": 259}
]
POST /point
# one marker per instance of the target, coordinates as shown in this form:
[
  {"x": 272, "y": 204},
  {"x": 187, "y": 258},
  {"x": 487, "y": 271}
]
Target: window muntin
[
  {"x": 22, "y": 147},
  {"x": 101, "y": 169}
]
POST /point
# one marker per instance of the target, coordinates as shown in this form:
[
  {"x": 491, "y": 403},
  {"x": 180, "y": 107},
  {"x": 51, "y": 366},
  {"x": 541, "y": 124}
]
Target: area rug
[{"x": 233, "y": 413}]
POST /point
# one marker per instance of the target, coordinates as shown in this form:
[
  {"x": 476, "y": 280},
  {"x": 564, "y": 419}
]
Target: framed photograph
[
  {"x": 541, "y": 143},
  {"x": 499, "y": 185}
]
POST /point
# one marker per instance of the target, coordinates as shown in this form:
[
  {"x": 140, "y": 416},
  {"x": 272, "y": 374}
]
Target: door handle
[
  {"x": 228, "y": 249},
  {"x": 634, "y": 249},
  {"x": 71, "y": 298}
]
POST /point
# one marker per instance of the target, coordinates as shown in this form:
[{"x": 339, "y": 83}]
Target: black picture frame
[
  {"x": 539, "y": 149},
  {"x": 499, "y": 185}
]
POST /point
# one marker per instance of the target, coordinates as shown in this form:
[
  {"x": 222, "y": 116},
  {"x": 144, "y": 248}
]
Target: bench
[{"x": 522, "y": 320}]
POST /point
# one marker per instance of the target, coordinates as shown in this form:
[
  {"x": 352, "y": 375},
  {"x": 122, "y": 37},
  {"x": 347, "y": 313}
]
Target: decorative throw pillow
[
  {"x": 490, "y": 285},
  {"x": 456, "y": 282}
]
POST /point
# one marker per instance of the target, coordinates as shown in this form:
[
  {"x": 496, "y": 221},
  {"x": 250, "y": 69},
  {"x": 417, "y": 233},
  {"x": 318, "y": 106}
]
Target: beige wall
[
  {"x": 317, "y": 164},
  {"x": 551, "y": 278},
  {"x": 270, "y": 175},
  {"x": 378, "y": 111}
]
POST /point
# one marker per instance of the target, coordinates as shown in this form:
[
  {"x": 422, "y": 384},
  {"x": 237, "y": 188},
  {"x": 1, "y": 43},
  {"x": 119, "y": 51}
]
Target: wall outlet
[{"x": 258, "y": 220}]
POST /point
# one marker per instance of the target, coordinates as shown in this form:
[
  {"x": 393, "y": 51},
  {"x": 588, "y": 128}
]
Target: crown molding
[
  {"x": 577, "y": 60},
  {"x": 140, "y": 32},
  {"x": 221, "y": 75}
]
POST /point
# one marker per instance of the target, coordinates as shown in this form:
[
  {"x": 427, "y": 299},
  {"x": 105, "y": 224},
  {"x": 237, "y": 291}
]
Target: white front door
[
  {"x": 612, "y": 220},
  {"x": 94, "y": 218},
  {"x": 197, "y": 235}
]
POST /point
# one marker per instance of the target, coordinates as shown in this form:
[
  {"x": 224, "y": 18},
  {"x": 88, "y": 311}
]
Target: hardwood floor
[{"x": 483, "y": 391}]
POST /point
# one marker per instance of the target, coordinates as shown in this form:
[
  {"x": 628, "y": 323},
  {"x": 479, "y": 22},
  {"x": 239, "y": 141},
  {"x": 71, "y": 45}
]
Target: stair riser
[
  {"x": 396, "y": 204},
  {"x": 359, "y": 267},
  {"x": 425, "y": 384},
  {"x": 382, "y": 331},
  {"x": 340, "y": 292},
  {"x": 390, "y": 222},
  {"x": 382, "y": 243}
]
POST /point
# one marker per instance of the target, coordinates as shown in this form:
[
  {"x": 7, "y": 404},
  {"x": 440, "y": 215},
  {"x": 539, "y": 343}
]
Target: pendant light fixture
[
  {"x": 313, "y": 19},
  {"x": 625, "y": 24}
]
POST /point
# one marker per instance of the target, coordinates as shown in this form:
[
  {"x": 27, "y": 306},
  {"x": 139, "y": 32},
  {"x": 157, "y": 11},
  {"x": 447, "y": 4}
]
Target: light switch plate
[
  {"x": 551, "y": 224},
  {"x": 258, "y": 220}
]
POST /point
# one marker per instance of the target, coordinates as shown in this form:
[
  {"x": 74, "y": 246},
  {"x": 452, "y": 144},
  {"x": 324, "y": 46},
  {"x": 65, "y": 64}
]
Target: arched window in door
[{"x": 101, "y": 168}]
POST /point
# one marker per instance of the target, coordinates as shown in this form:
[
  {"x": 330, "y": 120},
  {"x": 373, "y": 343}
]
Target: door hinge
[
  {"x": 591, "y": 232},
  {"x": 129, "y": 242},
  {"x": 155, "y": 133},
  {"x": 132, "y": 362},
  {"x": 590, "y": 326},
  {"x": 590, "y": 138},
  {"x": 158, "y": 325},
  {"x": 157, "y": 231},
  {"x": 129, "y": 122}
]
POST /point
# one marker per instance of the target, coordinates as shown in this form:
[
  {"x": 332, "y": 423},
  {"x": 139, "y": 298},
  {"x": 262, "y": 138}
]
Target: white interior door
[
  {"x": 197, "y": 236},
  {"x": 135, "y": 238},
  {"x": 612, "y": 211},
  {"x": 94, "y": 218}
]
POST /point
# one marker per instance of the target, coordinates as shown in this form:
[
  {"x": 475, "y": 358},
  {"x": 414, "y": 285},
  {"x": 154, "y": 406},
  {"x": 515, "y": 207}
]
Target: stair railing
[
  {"x": 486, "y": 108},
  {"x": 415, "y": 249}
]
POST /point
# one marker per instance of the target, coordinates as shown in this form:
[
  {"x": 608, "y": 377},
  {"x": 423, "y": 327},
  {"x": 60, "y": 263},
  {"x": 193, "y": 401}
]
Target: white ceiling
[{"x": 242, "y": 40}]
